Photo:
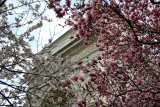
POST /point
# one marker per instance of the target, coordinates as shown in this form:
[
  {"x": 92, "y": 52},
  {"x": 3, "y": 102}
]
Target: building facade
[{"x": 76, "y": 51}]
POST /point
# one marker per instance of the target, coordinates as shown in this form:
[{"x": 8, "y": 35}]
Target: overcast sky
[{"x": 49, "y": 30}]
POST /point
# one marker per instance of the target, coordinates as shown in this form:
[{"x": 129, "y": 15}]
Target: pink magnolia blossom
[
  {"x": 81, "y": 78},
  {"x": 68, "y": 81},
  {"x": 85, "y": 70},
  {"x": 79, "y": 62},
  {"x": 75, "y": 78},
  {"x": 127, "y": 38}
]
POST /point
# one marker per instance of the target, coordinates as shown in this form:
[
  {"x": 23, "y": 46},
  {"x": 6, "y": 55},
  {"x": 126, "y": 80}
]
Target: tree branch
[
  {"x": 152, "y": 1},
  {"x": 2, "y": 3},
  {"x": 6, "y": 99},
  {"x": 130, "y": 25}
]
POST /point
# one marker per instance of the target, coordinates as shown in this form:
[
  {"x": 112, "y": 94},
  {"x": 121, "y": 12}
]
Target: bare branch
[
  {"x": 6, "y": 99},
  {"x": 2, "y": 3},
  {"x": 153, "y": 1}
]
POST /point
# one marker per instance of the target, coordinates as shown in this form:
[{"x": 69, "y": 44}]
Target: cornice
[{"x": 61, "y": 42}]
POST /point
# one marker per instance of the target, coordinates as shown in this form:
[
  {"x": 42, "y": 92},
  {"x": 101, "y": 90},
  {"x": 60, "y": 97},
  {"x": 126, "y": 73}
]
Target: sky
[
  {"x": 47, "y": 31},
  {"x": 42, "y": 35}
]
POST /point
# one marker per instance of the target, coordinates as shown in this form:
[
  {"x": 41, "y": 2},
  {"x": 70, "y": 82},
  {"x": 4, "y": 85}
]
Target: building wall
[
  {"x": 72, "y": 47},
  {"x": 76, "y": 50}
]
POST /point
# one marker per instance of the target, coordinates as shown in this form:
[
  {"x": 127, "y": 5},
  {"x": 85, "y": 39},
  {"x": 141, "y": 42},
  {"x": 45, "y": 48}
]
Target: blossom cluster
[{"x": 128, "y": 38}]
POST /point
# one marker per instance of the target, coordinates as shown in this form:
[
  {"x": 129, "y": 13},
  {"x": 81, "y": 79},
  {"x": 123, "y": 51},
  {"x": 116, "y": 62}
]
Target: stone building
[
  {"x": 72, "y": 47},
  {"x": 76, "y": 51}
]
